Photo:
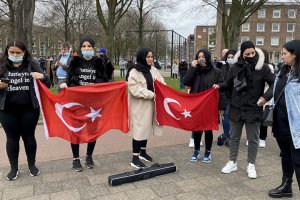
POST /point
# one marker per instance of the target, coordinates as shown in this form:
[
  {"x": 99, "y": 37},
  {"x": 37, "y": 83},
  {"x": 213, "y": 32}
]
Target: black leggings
[
  {"x": 16, "y": 124},
  {"x": 208, "y": 139},
  {"x": 89, "y": 150},
  {"x": 138, "y": 145},
  {"x": 263, "y": 132}
]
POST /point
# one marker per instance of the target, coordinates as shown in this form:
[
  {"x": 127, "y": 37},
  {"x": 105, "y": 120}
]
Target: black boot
[{"x": 283, "y": 190}]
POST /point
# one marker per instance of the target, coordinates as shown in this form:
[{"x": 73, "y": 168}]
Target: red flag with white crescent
[
  {"x": 82, "y": 114},
  {"x": 190, "y": 112}
]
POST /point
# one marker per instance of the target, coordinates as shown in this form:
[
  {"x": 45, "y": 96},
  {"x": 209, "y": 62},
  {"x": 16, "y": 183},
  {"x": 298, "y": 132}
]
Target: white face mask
[{"x": 231, "y": 61}]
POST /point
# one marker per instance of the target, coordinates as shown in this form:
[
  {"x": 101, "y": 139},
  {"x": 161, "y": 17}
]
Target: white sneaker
[
  {"x": 262, "y": 143},
  {"x": 247, "y": 143},
  {"x": 229, "y": 167},
  {"x": 191, "y": 144},
  {"x": 251, "y": 171}
]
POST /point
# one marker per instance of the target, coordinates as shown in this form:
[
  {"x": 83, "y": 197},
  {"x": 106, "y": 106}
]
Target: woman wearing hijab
[
  {"x": 141, "y": 105},
  {"x": 84, "y": 70}
]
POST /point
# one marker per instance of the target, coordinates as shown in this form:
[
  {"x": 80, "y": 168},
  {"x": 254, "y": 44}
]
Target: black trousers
[
  {"x": 138, "y": 145},
  {"x": 290, "y": 159},
  {"x": 208, "y": 139},
  {"x": 89, "y": 151},
  {"x": 263, "y": 132},
  {"x": 16, "y": 124}
]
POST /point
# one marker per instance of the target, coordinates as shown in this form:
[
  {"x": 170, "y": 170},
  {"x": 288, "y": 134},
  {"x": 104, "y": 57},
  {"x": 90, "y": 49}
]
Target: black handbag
[
  {"x": 141, "y": 174},
  {"x": 268, "y": 115},
  {"x": 268, "y": 111}
]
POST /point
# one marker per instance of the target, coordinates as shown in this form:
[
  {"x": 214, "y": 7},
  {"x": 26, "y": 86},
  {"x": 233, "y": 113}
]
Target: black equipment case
[{"x": 141, "y": 174}]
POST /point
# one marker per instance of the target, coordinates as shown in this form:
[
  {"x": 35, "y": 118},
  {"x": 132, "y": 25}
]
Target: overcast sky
[{"x": 186, "y": 16}]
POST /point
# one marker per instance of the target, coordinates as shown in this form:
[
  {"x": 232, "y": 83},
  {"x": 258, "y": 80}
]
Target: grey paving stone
[
  {"x": 59, "y": 176},
  {"x": 20, "y": 192},
  {"x": 47, "y": 188},
  {"x": 141, "y": 194},
  {"x": 93, "y": 191},
  {"x": 116, "y": 196},
  {"x": 190, "y": 185},
  {"x": 121, "y": 188},
  {"x": 39, "y": 197},
  {"x": 99, "y": 179},
  {"x": 163, "y": 190},
  {"x": 76, "y": 183},
  {"x": 69, "y": 194}
]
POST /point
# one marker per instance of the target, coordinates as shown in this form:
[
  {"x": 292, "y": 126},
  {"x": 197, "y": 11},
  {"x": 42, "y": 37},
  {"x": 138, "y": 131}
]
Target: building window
[
  {"x": 246, "y": 27},
  {"x": 33, "y": 44},
  {"x": 260, "y": 27},
  {"x": 244, "y": 38},
  {"x": 276, "y": 13},
  {"x": 261, "y": 13},
  {"x": 289, "y": 38},
  {"x": 204, "y": 30},
  {"x": 291, "y": 13},
  {"x": 274, "y": 41},
  {"x": 290, "y": 27},
  {"x": 199, "y": 36},
  {"x": 259, "y": 41},
  {"x": 275, "y": 27},
  {"x": 33, "y": 51},
  {"x": 203, "y": 42}
]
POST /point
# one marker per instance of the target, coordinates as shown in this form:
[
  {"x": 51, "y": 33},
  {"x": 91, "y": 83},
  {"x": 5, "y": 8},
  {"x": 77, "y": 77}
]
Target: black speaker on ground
[{"x": 141, "y": 174}]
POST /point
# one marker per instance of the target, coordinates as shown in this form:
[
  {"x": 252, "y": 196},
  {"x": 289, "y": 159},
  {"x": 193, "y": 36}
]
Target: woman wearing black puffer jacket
[
  {"x": 202, "y": 76},
  {"x": 246, "y": 82}
]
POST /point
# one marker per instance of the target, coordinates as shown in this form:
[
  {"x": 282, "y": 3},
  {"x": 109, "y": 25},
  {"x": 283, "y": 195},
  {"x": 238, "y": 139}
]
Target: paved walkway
[{"x": 191, "y": 181}]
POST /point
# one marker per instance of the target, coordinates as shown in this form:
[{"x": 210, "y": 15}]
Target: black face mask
[{"x": 249, "y": 59}]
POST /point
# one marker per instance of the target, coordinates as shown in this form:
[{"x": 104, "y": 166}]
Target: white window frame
[
  {"x": 260, "y": 39},
  {"x": 34, "y": 51},
  {"x": 274, "y": 30},
  {"x": 244, "y": 38},
  {"x": 287, "y": 27},
  {"x": 204, "y": 30},
  {"x": 246, "y": 27},
  {"x": 262, "y": 12},
  {"x": 294, "y": 12},
  {"x": 289, "y": 38},
  {"x": 274, "y": 44},
  {"x": 263, "y": 27},
  {"x": 275, "y": 11}
]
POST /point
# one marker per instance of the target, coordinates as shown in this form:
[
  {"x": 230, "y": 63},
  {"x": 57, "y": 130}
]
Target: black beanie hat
[
  {"x": 246, "y": 45},
  {"x": 87, "y": 39},
  {"x": 230, "y": 51}
]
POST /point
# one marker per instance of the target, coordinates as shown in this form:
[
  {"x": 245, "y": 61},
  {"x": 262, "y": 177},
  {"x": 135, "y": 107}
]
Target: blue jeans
[
  {"x": 225, "y": 121},
  {"x": 182, "y": 74}
]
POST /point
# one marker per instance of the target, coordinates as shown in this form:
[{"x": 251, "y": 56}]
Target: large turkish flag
[
  {"x": 82, "y": 114},
  {"x": 191, "y": 112}
]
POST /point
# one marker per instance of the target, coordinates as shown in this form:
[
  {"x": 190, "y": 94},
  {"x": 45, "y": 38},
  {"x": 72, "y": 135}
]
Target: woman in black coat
[
  {"x": 84, "y": 70},
  {"x": 202, "y": 76}
]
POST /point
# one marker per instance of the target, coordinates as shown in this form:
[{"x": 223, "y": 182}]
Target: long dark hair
[
  {"x": 5, "y": 62},
  {"x": 293, "y": 47}
]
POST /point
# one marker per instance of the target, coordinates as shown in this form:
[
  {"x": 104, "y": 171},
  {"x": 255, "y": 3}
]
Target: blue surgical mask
[
  {"x": 15, "y": 59},
  {"x": 231, "y": 61},
  {"x": 88, "y": 53}
]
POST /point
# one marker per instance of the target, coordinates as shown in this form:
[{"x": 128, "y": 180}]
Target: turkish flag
[
  {"x": 190, "y": 112},
  {"x": 82, "y": 114}
]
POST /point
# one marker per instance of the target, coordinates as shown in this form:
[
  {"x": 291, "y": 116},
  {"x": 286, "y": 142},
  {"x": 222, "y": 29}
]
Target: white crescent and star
[
  {"x": 168, "y": 110},
  {"x": 59, "y": 108}
]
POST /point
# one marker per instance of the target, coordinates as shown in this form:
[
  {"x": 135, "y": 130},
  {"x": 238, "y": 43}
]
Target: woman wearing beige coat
[{"x": 141, "y": 105}]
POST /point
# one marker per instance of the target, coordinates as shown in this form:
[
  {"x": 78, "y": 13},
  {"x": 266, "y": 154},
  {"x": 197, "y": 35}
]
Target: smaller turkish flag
[
  {"x": 190, "y": 112},
  {"x": 82, "y": 114}
]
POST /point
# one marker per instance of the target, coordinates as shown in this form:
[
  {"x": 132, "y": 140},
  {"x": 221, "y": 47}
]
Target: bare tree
[
  {"x": 20, "y": 14},
  {"x": 116, "y": 9},
  {"x": 143, "y": 9},
  {"x": 233, "y": 15}
]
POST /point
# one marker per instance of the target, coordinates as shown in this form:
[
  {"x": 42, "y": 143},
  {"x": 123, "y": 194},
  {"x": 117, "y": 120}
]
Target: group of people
[{"x": 241, "y": 80}]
